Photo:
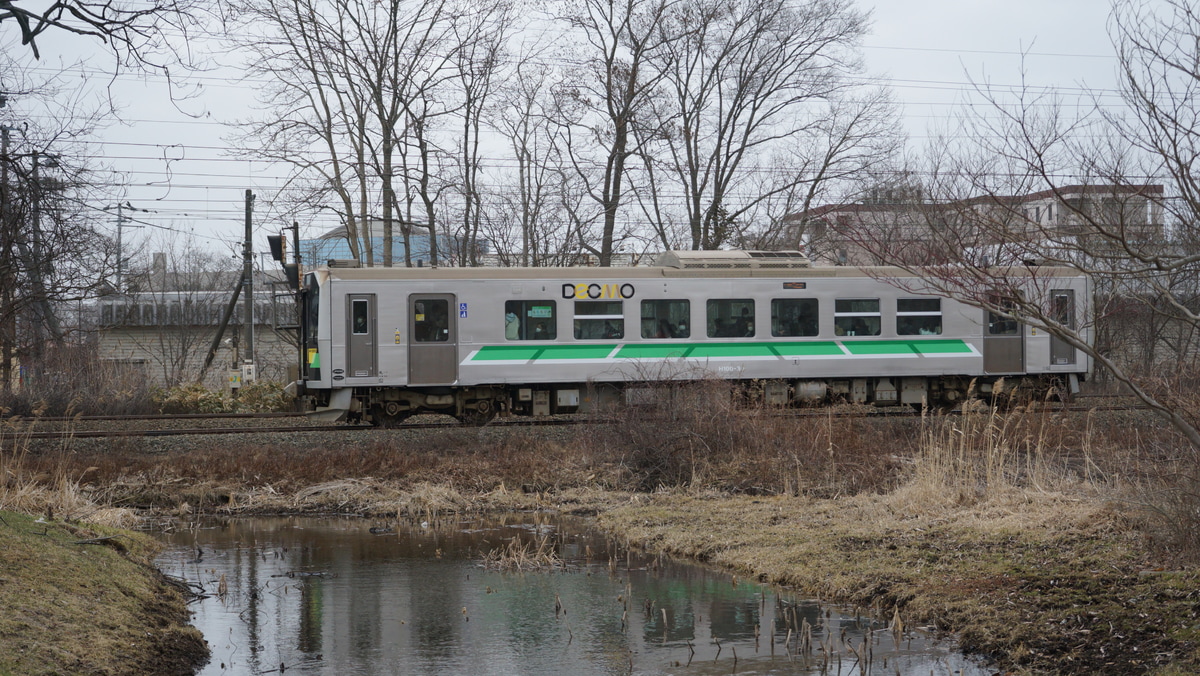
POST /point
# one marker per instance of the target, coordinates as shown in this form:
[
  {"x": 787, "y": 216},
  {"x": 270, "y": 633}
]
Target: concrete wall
[{"x": 169, "y": 355}]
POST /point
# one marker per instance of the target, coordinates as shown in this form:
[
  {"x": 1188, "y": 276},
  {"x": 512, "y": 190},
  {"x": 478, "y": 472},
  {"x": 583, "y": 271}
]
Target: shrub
[
  {"x": 74, "y": 381},
  {"x": 263, "y": 397},
  {"x": 257, "y": 397},
  {"x": 193, "y": 398}
]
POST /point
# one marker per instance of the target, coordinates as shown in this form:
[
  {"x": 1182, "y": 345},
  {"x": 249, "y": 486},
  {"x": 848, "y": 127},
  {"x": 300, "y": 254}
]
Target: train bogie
[{"x": 384, "y": 344}]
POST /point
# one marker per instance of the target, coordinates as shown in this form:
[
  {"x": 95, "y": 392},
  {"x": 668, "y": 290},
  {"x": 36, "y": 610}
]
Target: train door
[
  {"x": 1003, "y": 343},
  {"x": 1062, "y": 310},
  {"x": 360, "y": 329},
  {"x": 432, "y": 340}
]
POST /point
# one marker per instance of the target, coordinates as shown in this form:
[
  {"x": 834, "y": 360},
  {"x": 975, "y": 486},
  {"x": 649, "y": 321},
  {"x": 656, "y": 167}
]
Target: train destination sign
[{"x": 597, "y": 291}]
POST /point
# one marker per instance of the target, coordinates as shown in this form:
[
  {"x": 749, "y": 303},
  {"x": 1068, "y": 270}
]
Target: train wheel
[
  {"x": 478, "y": 413},
  {"x": 389, "y": 415}
]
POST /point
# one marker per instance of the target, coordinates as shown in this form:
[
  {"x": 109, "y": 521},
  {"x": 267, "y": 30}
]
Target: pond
[{"x": 350, "y": 596}]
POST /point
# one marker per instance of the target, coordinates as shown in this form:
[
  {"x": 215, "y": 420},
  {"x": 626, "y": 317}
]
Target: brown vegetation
[{"x": 1025, "y": 530}]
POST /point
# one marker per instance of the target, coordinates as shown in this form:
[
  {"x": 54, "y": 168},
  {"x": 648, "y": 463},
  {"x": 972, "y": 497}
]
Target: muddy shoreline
[{"x": 1076, "y": 593}]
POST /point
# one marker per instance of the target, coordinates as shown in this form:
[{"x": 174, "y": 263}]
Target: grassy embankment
[
  {"x": 86, "y": 599},
  {"x": 1051, "y": 543}
]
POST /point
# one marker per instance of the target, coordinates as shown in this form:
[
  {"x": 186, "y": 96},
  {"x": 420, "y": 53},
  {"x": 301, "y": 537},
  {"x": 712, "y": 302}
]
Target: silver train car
[{"x": 382, "y": 344}]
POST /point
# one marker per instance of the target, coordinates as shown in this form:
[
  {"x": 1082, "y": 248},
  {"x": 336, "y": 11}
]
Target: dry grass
[
  {"x": 713, "y": 435},
  {"x": 74, "y": 381},
  {"x": 522, "y": 555}
]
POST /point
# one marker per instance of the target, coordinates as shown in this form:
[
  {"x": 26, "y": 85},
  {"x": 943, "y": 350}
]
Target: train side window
[
  {"x": 666, "y": 319},
  {"x": 794, "y": 317},
  {"x": 919, "y": 316},
  {"x": 730, "y": 318},
  {"x": 856, "y": 317},
  {"x": 530, "y": 320},
  {"x": 431, "y": 321},
  {"x": 599, "y": 319}
]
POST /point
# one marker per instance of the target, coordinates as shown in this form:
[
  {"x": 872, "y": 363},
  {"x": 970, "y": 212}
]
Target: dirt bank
[{"x": 84, "y": 599}]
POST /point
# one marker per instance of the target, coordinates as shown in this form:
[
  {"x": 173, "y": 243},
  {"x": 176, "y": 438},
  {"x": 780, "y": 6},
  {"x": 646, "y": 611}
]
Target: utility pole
[
  {"x": 248, "y": 295},
  {"x": 122, "y": 223},
  {"x": 120, "y": 251},
  {"x": 8, "y": 333},
  {"x": 37, "y": 267}
]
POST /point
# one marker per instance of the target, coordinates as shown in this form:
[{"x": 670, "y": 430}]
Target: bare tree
[
  {"x": 355, "y": 88},
  {"x": 757, "y": 104},
  {"x": 51, "y": 254},
  {"x": 481, "y": 39},
  {"x": 531, "y": 229},
  {"x": 610, "y": 96},
  {"x": 135, "y": 30}
]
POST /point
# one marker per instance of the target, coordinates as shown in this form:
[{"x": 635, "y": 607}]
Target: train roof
[{"x": 677, "y": 264}]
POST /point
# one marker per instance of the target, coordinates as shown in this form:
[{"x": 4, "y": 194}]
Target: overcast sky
[{"x": 929, "y": 50}]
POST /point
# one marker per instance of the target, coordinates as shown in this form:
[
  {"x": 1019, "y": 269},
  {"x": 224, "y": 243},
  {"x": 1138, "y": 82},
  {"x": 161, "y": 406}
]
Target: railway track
[{"x": 30, "y": 431}]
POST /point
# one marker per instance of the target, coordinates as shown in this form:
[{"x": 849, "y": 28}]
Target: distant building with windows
[
  {"x": 163, "y": 325},
  {"x": 901, "y": 221},
  {"x": 335, "y": 245}
]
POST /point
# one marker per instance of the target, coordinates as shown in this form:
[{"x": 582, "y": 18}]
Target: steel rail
[{"x": 890, "y": 412}]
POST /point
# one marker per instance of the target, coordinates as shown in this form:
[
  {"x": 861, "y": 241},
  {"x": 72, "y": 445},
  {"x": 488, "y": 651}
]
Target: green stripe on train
[
  {"x": 929, "y": 347},
  {"x": 544, "y": 351},
  {"x": 897, "y": 347}
]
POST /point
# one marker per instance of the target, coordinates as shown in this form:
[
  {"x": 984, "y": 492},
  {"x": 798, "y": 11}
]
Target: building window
[
  {"x": 794, "y": 317},
  {"x": 599, "y": 320},
  {"x": 856, "y": 317},
  {"x": 666, "y": 319},
  {"x": 530, "y": 320},
  {"x": 919, "y": 316},
  {"x": 731, "y": 318}
]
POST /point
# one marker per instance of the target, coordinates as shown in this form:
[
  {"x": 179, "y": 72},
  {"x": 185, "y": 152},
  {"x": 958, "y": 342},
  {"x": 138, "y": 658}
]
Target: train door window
[
  {"x": 919, "y": 316},
  {"x": 794, "y": 317},
  {"x": 530, "y": 320},
  {"x": 359, "y": 321},
  {"x": 666, "y": 319},
  {"x": 431, "y": 321},
  {"x": 730, "y": 318},
  {"x": 856, "y": 317},
  {"x": 1062, "y": 308},
  {"x": 998, "y": 323},
  {"x": 599, "y": 319}
]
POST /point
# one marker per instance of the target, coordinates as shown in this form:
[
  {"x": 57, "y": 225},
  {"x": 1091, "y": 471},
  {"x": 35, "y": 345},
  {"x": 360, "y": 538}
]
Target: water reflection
[{"x": 329, "y": 596}]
